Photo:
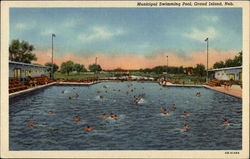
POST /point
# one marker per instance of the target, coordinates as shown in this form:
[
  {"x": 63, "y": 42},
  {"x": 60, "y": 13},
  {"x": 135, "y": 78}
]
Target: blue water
[{"x": 141, "y": 127}]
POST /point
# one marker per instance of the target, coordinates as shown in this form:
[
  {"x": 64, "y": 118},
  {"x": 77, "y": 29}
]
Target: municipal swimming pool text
[{"x": 183, "y": 4}]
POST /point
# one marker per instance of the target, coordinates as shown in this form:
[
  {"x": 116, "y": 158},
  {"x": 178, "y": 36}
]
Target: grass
[{"x": 180, "y": 78}]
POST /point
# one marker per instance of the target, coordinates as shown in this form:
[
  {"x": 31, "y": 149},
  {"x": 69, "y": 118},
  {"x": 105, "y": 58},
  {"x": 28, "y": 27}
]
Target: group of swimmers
[
  {"x": 112, "y": 116},
  {"x": 165, "y": 111},
  {"x": 137, "y": 100}
]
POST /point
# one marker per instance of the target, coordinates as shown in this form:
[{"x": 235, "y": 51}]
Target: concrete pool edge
[{"x": 15, "y": 94}]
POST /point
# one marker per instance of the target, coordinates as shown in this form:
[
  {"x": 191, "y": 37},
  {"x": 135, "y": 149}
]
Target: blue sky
[{"x": 142, "y": 32}]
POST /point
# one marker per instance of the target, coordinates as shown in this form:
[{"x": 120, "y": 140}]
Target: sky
[{"x": 130, "y": 38}]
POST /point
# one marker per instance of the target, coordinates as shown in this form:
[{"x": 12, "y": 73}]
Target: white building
[
  {"x": 23, "y": 70},
  {"x": 228, "y": 73}
]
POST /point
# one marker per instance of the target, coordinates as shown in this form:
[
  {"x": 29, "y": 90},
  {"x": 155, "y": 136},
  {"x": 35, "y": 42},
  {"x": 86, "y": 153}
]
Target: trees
[
  {"x": 49, "y": 65},
  {"x": 220, "y": 64},
  {"x": 199, "y": 70},
  {"x": 67, "y": 67},
  {"x": 237, "y": 61},
  {"x": 95, "y": 67},
  {"x": 79, "y": 68},
  {"x": 21, "y": 51}
]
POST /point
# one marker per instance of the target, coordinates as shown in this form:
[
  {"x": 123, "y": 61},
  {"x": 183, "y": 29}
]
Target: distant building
[
  {"x": 228, "y": 73},
  {"x": 22, "y": 70},
  {"x": 188, "y": 71}
]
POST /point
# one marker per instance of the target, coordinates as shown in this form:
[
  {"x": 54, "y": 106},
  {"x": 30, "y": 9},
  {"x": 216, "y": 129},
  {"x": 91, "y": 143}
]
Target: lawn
[{"x": 179, "y": 78}]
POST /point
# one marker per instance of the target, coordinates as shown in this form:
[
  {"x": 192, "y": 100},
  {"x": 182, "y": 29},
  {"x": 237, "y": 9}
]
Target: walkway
[{"x": 235, "y": 90}]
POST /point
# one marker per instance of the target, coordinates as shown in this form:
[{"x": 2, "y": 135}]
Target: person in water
[
  {"x": 77, "y": 119},
  {"x": 111, "y": 115},
  {"x": 116, "y": 117},
  {"x": 225, "y": 122},
  {"x": 137, "y": 100},
  {"x": 31, "y": 123},
  {"x": 198, "y": 94},
  {"x": 70, "y": 97},
  {"x": 174, "y": 106},
  {"x": 88, "y": 128},
  {"x": 104, "y": 116},
  {"x": 101, "y": 97},
  {"x": 50, "y": 112},
  {"x": 77, "y": 95},
  {"x": 165, "y": 111},
  {"x": 185, "y": 114},
  {"x": 185, "y": 127}
]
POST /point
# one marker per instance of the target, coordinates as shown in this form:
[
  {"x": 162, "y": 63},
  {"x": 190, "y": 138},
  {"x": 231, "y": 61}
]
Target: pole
[
  {"x": 167, "y": 61},
  {"x": 52, "y": 70},
  {"x": 96, "y": 60},
  {"x": 207, "y": 60},
  {"x": 52, "y": 75}
]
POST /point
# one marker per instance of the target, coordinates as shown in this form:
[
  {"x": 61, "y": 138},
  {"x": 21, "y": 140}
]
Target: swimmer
[
  {"x": 185, "y": 127},
  {"x": 62, "y": 92},
  {"x": 111, "y": 115},
  {"x": 185, "y": 114},
  {"x": 88, "y": 128},
  {"x": 77, "y": 119},
  {"x": 165, "y": 111},
  {"x": 77, "y": 95},
  {"x": 137, "y": 100},
  {"x": 198, "y": 94},
  {"x": 101, "y": 97},
  {"x": 174, "y": 106},
  {"x": 104, "y": 116},
  {"x": 50, "y": 112},
  {"x": 70, "y": 97},
  {"x": 225, "y": 122},
  {"x": 105, "y": 86},
  {"x": 116, "y": 117},
  {"x": 31, "y": 123}
]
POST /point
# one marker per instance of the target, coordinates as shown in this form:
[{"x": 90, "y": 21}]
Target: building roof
[
  {"x": 226, "y": 68},
  {"x": 25, "y": 64}
]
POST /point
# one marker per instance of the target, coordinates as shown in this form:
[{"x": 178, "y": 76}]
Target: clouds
[
  {"x": 209, "y": 18},
  {"x": 200, "y": 35},
  {"x": 100, "y": 33},
  {"x": 25, "y": 26},
  {"x": 113, "y": 32}
]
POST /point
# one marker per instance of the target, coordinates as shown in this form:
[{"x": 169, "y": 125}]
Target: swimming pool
[{"x": 141, "y": 127}]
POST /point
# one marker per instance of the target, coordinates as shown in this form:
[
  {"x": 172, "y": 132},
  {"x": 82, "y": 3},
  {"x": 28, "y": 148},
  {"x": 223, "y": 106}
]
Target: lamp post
[
  {"x": 207, "y": 59},
  {"x": 95, "y": 60},
  {"x": 52, "y": 70}
]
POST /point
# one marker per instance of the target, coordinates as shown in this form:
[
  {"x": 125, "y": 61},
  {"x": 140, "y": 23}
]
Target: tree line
[
  {"x": 236, "y": 61},
  {"x": 21, "y": 51}
]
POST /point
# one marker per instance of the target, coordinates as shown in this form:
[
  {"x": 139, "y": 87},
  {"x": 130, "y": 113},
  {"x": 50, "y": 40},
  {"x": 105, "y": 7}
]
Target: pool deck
[
  {"x": 235, "y": 90},
  {"x": 30, "y": 89}
]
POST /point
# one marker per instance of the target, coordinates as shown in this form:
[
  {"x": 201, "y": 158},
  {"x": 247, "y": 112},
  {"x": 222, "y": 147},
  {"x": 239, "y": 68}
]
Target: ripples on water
[{"x": 141, "y": 127}]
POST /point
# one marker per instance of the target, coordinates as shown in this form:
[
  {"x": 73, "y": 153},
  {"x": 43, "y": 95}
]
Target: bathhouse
[
  {"x": 23, "y": 70},
  {"x": 228, "y": 73}
]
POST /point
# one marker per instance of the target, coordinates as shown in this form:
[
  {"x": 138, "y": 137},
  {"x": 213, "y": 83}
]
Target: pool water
[{"x": 141, "y": 126}]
